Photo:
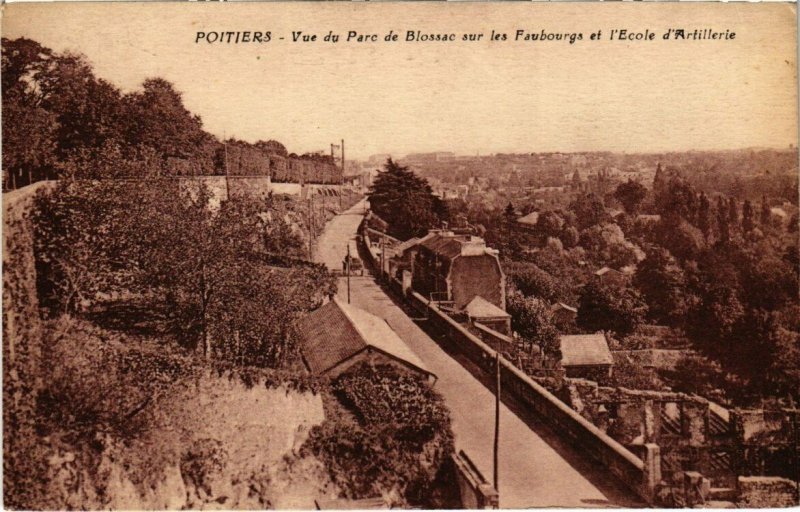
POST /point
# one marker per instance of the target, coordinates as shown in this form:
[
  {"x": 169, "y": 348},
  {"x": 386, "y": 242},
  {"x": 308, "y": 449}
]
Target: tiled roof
[
  {"x": 337, "y": 331},
  {"x": 482, "y": 308},
  {"x": 561, "y": 305},
  {"x": 447, "y": 246},
  {"x": 585, "y": 350},
  {"x": 530, "y": 219},
  {"x": 403, "y": 247}
]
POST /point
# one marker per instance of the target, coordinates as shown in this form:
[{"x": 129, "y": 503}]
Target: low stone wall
[
  {"x": 23, "y": 348},
  {"x": 217, "y": 186},
  {"x": 497, "y": 340},
  {"x": 224, "y": 187},
  {"x": 254, "y": 186},
  {"x": 476, "y": 493},
  {"x": 766, "y": 441},
  {"x": 762, "y": 492},
  {"x": 293, "y": 189}
]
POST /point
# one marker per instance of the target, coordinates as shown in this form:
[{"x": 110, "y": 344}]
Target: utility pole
[
  {"x": 496, "y": 421},
  {"x": 225, "y": 145},
  {"x": 347, "y": 264},
  {"x": 383, "y": 255},
  {"x": 310, "y": 229},
  {"x": 341, "y": 185}
]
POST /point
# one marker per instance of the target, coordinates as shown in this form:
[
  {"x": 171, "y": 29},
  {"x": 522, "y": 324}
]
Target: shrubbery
[
  {"x": 208, "y": 278},
  {"x": 400, "y": 443}
]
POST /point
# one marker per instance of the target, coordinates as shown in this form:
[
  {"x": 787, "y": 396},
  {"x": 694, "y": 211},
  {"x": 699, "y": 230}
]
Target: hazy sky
[{"x": 464, "y": 97}]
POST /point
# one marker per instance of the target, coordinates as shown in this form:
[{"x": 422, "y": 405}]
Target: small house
[
  {"x": 338, "y": 336},
  {"x": 586, "y": 356},
  {"x": 487, "y": 314},
  {"x": 528, "y": 222}
]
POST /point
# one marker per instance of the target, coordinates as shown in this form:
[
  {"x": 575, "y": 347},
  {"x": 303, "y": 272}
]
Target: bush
[
  {"x": 532, "y": 281},
  {"x": 400, "y": 443},
  {"x": 610, "y": 308},
  {"x": 629, "y": 374}
]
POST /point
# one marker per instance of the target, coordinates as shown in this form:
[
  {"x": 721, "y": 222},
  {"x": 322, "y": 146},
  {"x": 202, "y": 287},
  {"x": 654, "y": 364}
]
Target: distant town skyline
[{"x": 466, "y": 98}]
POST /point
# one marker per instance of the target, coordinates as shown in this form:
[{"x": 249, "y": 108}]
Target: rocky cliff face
[{"x": 217, "y": 445}]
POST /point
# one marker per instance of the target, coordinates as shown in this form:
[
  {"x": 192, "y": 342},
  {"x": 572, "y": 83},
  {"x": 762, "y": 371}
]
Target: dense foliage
[
  {"x": 61, "y": 120},
  {"x": 399, "y": 442},
  {"x": 149, "y": 255},
  {"x": 531, "y": 319},
  {"x": 405, "y": 201},
  {"x": 705, "y": 256},
  {"x": 603, "y": 307}
]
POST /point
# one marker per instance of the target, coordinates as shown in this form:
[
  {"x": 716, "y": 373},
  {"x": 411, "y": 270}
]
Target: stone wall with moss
[{"x": 22, "y": 344}]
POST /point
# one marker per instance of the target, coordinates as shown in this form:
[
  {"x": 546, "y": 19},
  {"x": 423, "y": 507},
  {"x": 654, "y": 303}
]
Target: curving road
[{"x": 536, "y": 469}]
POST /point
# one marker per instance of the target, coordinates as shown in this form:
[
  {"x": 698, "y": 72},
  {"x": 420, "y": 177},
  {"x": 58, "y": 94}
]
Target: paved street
[{"x": 536, "y": 469}]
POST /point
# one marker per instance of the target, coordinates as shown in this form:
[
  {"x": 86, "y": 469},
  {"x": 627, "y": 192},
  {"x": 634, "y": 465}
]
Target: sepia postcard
[{"x": 345, "y": 255}]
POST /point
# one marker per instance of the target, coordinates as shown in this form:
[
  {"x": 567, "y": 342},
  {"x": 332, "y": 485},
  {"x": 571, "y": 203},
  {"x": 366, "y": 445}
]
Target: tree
[
  {"x": 29, "y": 143},
  {"x": 510, "y": 213},
  {"x": 22, "y": 62},
  {"x": 607, "y": 245},
  {"x": 766, "y": 213},
  {"x": 272, "y": 146},
  {"x": 631, "y": 194},
  {"x": 532, "y": 281},
  {"x": 747, "y": 217},
  {"x": 549, "y": 224},
  {"x": 704, "y": 216},
  {"x": 89, "y": 110},
  {"x": 723, "y": 220},
  {"x": 660, "y": 181},
  {"x": 615, "y": 309},
  {"x": 531, "y": 319},
  {"x": 211, "y": 276},
  {"x": 77, "y": 256},
  {"x": 711, "y": 324},
  {"x": 589, "y": 210},
  {"x": 29, "y": 131},
  {"x": 680, "y": 237},
  {"x": 662, "y": 283},
  {"x": 677, "y": 201},
  {"x": 733, "y": 214},
  {"x": 569, "y": 237},
  {"x": 405, "y": 201},
  {"x": 162, "y": 122}
]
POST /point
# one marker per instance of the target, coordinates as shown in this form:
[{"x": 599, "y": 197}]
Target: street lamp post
[
  {"x": 347, "y": 265},
  {"x": 497, "y": 421}
]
